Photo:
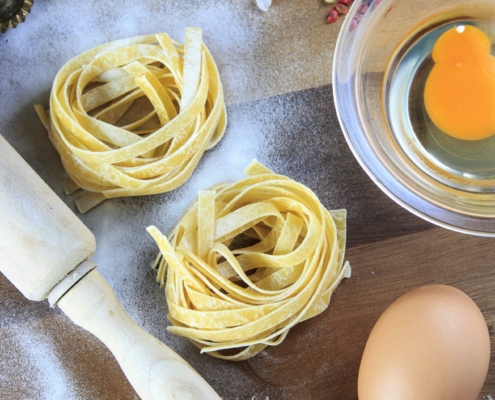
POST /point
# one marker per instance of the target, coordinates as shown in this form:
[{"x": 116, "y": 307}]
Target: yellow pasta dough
[
  {"x": 248, "y": 261},
  {"x": 134, "y": 116}
]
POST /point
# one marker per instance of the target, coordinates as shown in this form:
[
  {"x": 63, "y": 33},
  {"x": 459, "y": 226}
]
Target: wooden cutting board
[
  {"x": 276, "y": 71},
  {"x": 382, "y": 272}
]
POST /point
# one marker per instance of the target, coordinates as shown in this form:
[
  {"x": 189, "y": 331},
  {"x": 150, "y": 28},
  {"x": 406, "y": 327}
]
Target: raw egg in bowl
[
  {"x": 460, "y": 88},
  {"x": 414, "y": 89}
]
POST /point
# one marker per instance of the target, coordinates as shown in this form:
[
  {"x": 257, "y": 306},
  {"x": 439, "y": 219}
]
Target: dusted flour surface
[{"x": 259, "y": 55}]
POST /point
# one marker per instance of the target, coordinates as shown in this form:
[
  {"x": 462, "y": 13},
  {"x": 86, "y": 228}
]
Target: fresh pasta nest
[
  {"x": 248, "y": 261},
  {"x": 134, "y": 116}
]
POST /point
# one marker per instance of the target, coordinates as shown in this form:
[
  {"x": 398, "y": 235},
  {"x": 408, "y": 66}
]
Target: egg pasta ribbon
[
  {"x": 248, "y": 261},
  {"x": 134, "y": 116}
]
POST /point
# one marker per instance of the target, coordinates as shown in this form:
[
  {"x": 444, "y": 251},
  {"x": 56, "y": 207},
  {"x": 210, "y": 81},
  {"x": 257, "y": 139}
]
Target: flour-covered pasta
[
  {"x": 248, "y": 261},
  {"x": 134, "y": 116}
]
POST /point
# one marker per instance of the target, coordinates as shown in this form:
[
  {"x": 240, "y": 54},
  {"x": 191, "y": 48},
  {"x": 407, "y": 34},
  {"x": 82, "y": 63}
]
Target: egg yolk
[{"x": 460, "y": 89}]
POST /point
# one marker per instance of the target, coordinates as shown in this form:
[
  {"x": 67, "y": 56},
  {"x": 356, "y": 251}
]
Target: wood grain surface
[{"x": 289, "y": 113}]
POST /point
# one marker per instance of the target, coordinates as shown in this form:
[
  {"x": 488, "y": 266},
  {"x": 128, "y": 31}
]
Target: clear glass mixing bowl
[{"x": 375, "y": 36}]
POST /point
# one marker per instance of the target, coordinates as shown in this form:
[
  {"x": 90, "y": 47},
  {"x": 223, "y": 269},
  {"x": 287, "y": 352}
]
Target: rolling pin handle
[{"x": 153, "y": 369}]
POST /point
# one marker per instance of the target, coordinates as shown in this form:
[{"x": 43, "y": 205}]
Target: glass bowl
[{"x": 382, "y": 47}]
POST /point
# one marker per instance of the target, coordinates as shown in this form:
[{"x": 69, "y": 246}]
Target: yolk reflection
[{"x": 460, "y": 89}]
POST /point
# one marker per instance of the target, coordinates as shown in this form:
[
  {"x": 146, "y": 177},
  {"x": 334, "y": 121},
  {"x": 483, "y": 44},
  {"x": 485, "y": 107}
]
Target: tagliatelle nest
[
  {"x": 248, "y": 261},
  {"x": 134, "y": 116}
]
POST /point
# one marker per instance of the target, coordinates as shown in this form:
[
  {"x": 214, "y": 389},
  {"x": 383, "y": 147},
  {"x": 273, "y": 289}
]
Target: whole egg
[{"x": 430, "y": 344}]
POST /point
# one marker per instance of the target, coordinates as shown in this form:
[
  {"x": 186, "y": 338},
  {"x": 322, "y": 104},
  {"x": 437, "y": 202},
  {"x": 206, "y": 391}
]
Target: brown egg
[{"x": 430, "y": 344}]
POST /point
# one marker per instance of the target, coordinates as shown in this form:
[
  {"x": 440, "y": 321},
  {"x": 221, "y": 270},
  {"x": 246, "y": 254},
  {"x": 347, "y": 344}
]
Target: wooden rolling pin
[{"x": 44, "y": 252}]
